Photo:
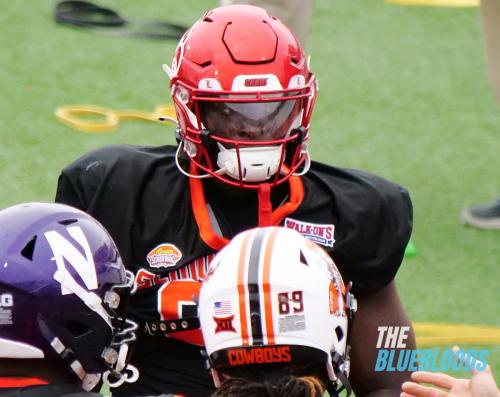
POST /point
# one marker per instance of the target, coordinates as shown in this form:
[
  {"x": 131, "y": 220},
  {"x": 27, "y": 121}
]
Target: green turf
[{"x": 403, "y": 93}]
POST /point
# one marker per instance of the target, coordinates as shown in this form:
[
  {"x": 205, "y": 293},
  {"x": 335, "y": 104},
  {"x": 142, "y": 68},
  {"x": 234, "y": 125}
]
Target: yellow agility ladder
[{"x": 77, "y": 116}]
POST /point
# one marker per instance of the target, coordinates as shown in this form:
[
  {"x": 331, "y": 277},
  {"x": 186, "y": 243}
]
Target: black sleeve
[
  {"x": 93, "y": 184},
  {"x": 371, "y": 251},
  {"x": 94, "y": 179},
  {"x": 66, "y": 193},
  {"x": 81, "y": 181},
  {"x": 106, "y": 184},
  {"x": 53, "y": 390}
]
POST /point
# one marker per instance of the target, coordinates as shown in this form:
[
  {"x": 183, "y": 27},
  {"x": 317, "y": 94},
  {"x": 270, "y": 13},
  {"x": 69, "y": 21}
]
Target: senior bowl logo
[{"x": 164, "y": 255}]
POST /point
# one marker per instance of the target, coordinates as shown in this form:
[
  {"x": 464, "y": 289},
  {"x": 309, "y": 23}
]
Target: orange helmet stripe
[
  {"x": 267, "y": 287},
  {"x": 241, "y": 289}
]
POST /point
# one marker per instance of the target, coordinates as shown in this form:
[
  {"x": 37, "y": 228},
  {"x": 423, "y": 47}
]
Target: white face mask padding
[{"x": 258, "y": 164}]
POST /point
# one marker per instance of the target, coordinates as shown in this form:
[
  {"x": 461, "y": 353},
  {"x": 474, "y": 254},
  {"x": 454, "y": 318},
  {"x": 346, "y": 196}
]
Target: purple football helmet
[{"x": 63, "y": 293}]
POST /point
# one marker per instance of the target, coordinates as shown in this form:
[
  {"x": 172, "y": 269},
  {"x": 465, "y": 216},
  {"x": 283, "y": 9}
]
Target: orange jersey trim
[
  {"x": 241, "y": 289},
  {"x": 11, "y": 381},
  {"x": 266, "y": 284},
  {"x": 199, "y": 206},
  {"x": 296, "y": 198}
]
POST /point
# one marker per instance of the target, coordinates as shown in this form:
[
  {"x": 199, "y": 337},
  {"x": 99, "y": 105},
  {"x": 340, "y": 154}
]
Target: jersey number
[{"x": 176, "y": 300}]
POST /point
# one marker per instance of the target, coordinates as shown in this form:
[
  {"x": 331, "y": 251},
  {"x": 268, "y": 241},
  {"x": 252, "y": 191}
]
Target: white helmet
[{"x": 271, "y": 296}]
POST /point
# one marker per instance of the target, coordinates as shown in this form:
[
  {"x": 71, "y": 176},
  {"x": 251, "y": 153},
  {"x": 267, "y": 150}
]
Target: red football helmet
[{"x": 243, "y": 95}]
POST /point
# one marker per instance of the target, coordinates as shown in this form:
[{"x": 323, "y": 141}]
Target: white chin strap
[{"x": 257, "y": 163}]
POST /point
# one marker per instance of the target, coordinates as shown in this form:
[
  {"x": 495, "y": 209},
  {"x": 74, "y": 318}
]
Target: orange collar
[
  {"x": 199, "y": 206},
  {"x": 11, "y": 381}
]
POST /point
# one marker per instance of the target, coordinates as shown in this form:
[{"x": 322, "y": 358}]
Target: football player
[
  {"x": 274, "y": 314},
  {"x": 244, "y": 95},
  {"x": 63, "y": 293}
]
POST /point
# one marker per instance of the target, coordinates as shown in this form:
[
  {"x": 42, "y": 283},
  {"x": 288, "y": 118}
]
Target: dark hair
[{"x": 307, "y": 381}]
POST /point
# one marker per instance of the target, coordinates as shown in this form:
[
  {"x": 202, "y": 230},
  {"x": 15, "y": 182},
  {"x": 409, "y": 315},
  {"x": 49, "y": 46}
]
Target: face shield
[
  {"x": 250, "y": 135},
  {"x": 251, "y": 121}
]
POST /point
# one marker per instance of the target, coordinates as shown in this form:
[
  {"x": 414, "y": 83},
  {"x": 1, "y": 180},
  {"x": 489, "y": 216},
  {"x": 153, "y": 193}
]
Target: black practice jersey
[
  {"x": 168, "y": 227},
  {"x": 63, "y": 390}
]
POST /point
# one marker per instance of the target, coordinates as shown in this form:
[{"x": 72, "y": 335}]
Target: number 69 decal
[{"x": 290, "y": 302}]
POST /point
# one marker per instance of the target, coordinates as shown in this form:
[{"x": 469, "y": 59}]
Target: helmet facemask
[
  {"x": 246, "y": 138},
  {"x": 94, "y": 338}
]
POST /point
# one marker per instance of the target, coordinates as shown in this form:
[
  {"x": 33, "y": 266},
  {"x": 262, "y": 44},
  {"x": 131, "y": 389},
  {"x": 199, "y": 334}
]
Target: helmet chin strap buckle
[
  {"x": 130, "y": 374},
  {"x": 121, "y": 371}
]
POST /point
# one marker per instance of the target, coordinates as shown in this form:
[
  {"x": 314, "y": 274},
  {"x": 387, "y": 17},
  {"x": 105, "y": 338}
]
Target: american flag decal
[{"x": 222, "y": 308}]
